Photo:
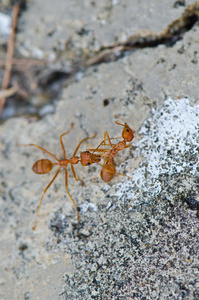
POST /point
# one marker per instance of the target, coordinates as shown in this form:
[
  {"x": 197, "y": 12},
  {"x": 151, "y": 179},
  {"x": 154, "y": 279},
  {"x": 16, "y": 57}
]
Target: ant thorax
[
  {"x": 74, "y": 160},
  {"x": 120, "y": 146}
]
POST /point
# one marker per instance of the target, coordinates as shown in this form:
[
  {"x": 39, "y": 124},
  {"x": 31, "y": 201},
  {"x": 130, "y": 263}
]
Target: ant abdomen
[
  {"x": 42, "y": 166},
  {"x": 108, "y": 170}
]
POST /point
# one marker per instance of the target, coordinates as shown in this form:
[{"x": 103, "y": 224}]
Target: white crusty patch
[{"x": 168, "y": 135}]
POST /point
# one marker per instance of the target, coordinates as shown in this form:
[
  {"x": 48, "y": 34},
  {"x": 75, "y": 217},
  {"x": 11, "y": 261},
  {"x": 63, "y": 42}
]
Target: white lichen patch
[
  {"x": 5, "y": 24},
  {"x": 84, "y": 207},
  {"x": 170, "y": 146}
]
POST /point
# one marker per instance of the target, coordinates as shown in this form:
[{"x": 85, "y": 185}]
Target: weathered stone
[{"x": 136, "y": 238}]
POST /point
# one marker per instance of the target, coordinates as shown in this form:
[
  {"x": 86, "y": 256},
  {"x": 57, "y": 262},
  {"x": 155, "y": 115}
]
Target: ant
[
  {"x": 44, "y": 166},
  {"x": 108, "y": 168}
]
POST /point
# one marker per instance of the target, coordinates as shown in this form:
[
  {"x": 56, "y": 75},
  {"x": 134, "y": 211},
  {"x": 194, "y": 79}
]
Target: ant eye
[
  {"x": 87, "y": 151},
  {"x": 88, "y": 163},
  {"x": 127, "y": 130}
]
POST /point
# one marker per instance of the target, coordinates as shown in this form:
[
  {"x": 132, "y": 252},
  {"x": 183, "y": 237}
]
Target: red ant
[
  {"x": 44, "y": 166},
  {"x": 108, "y": 168}
]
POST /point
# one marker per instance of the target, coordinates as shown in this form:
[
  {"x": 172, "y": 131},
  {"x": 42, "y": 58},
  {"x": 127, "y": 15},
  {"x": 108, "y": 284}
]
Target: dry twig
[
  {"x": 8, "y": 92},
  {"x": 23, "y": 64},
  {"x": 10, "y": 52}
]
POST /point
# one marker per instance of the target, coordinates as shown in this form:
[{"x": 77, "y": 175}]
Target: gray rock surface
[{"x": 136, "y": 239}]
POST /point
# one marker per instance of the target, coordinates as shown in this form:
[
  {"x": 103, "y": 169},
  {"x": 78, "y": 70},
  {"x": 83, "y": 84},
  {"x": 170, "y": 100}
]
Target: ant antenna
[{"x": 118, "y": 117}]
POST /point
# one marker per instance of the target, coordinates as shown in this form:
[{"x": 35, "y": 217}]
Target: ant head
[
  {"x": 86, "y": 158},
  {"x": 127, "y": 133}
]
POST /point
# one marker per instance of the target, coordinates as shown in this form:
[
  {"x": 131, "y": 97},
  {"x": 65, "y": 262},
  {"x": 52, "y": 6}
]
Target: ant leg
[
  {"x": 74, "y": 174},
  {"x": 104, "y": 151},
  {"x": 42, "y": 150},
  {"x": 105, "y": 144},
  {"x": 61, "y": 141},
  {"x": 116, "y": 138},
  {"x": 106, "y": 137},
  {"x": 124, "y": 175},
  {"x": 33, "y": 228},
  {"x": 102, "y": 143},
  {"x": 66, "y": 184},
  {"x": 92, "y": 137}
]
